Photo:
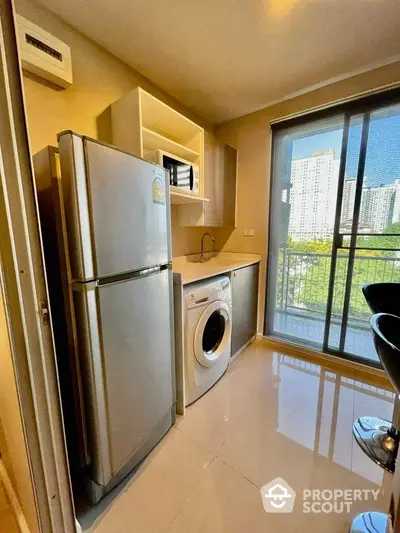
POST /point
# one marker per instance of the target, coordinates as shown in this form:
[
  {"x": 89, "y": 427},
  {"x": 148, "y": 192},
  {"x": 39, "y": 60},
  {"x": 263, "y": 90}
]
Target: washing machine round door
[{"x": 212, "y": 334}]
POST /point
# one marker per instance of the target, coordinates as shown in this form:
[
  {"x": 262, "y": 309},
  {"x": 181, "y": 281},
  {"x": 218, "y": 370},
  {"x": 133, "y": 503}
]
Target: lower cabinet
[{"x": 244, "y": 305}]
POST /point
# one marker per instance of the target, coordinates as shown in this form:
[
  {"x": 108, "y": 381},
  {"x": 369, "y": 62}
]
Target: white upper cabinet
[{"x": 142, "y": 123}]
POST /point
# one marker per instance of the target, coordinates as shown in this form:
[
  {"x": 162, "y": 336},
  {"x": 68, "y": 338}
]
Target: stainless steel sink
[{"x": 212, "y": 260}]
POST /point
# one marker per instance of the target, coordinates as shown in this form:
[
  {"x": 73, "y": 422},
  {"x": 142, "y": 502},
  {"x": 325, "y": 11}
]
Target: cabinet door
[
  {"x": 244, "y": 305},
  {"x": 220, "y": 188}
]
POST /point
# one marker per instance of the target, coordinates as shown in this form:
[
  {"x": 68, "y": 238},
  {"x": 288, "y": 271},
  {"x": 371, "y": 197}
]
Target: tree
[
  {"x": 304, "y": 272},
  {"x": 313, "y": 293},
  {"x": 387, "y": 241}
]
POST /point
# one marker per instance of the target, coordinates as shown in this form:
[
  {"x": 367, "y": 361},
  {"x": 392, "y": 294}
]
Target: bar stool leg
[
  {"x": 373, "y": 522},
  {"x": 378, "y": 438},
  {"x": 396, "y": 413}
]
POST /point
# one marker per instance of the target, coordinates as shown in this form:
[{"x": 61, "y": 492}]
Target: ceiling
[{"x": 227, "y": 58}]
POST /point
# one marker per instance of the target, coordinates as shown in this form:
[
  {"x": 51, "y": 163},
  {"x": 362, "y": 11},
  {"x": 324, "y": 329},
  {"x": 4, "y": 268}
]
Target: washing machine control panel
[
  {"x": 198, "y": 297},
  {"x": 204, "y": 294}
]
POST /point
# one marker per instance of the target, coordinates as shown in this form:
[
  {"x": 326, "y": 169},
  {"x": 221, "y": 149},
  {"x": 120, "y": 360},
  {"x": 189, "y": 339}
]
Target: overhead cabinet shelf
[
  {"x": 181, "y": 198},
  {"x": 161, "y": 118},
  {"x": 141, "y": 123},
  {"x": 155, "y": 141}
]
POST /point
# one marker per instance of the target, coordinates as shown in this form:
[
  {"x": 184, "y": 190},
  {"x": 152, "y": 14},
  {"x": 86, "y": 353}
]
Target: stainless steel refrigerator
[{"x": 117, "y": 225}]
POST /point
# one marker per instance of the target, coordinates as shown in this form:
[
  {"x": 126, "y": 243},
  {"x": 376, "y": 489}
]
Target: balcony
[{"x": 302, "y": 293}]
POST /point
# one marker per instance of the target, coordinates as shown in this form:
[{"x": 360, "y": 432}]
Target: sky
[{"x": 382, "y": 164}]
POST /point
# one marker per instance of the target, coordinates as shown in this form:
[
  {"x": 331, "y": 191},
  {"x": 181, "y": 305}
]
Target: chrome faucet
[{"x": 202, "y": 258}]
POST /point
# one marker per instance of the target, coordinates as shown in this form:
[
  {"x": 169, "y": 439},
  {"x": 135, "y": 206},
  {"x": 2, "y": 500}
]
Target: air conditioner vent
[
  {"x": 43, "y": 54},
  {"x": 42, "y": 46}
]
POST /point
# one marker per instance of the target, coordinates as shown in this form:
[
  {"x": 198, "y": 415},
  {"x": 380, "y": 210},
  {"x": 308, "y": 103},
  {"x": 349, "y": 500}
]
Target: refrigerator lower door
[{"x": 127, "y": 336}]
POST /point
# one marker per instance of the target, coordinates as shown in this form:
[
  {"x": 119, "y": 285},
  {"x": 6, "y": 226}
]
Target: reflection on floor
[
  {"x": 8, "y": 524},
  {"x": 358, "y": 340},
  {"x": 270, "y": 416}
]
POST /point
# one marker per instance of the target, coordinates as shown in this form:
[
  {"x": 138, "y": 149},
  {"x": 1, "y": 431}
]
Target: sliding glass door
[
  {"x": 306, "y": 162},
  {"x": 334, "y": 227},
  {"x": 368, "y": 228}
]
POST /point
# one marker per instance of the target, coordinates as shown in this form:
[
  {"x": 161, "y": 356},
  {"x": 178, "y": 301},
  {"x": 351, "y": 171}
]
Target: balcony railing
[{"x": 303, "y": 283}]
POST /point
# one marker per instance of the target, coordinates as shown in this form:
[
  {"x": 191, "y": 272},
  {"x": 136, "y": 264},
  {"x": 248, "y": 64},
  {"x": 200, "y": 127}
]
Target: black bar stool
[
  {"x": 386, "y": 330},
  {"x": 381, "y": 296},
  {"x": 377, "y": 437}
]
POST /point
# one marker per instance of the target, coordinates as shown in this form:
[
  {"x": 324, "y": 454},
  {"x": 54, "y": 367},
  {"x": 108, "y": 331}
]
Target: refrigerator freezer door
[
  {"x": 77, "y": 221},
  {"x": 135, "y": 328},
  {"x": 126, "y": 202},
  {"x": 52, "y": 221}
]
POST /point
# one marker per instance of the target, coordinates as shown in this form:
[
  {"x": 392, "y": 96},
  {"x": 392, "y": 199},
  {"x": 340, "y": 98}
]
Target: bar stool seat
[
  {"x": 379, "y": 438},
  {"x": 371, "y": 522},
  {"x": 386, "y": 330}
]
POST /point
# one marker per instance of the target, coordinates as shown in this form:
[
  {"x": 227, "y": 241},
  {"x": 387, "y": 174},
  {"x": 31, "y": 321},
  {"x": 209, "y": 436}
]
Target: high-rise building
[
  {"x": 313, "y": 196},
  {"x": 346, "y": 219},
  {"x": 396, "y": 203},
  {"x": 314, "y": 183},
  {"x": 380, "y": 206},
  {"x": 376, "y": 207},
  {"x": 349, "y": 193}
]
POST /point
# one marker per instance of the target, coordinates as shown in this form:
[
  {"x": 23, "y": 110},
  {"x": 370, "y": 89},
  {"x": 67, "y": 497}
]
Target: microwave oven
[{"x": 183, "y": 174}]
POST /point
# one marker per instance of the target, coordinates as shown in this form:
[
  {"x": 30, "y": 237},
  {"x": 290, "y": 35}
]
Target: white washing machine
[{"x": 208, "y": 323}]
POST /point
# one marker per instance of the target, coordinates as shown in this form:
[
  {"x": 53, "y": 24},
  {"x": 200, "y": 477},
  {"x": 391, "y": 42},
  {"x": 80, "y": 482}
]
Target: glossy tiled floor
[{"x": 270, "y": 416}]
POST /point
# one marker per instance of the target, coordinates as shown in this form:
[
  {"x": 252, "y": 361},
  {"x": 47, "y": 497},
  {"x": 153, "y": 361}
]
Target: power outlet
[{"x": 249, "y": 232}]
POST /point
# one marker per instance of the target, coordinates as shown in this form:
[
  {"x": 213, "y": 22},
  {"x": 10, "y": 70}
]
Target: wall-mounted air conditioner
[{"x": 43, "y": 54}]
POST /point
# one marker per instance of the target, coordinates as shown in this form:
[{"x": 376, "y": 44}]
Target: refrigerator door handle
[
  {"x": 148, "y": 271},
  {"x": 87, "y": 286},
  {"x": 137, "y": 274}
]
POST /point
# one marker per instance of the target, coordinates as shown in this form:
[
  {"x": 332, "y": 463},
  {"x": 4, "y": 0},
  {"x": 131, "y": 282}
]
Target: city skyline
[
  {"x": 380, "y": 207},
  {"x": 312, "y": 199},
  {"x": 383, "y": 150}
]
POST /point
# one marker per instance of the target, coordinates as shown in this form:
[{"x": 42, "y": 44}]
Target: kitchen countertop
[{"x": 192, "y": 270}]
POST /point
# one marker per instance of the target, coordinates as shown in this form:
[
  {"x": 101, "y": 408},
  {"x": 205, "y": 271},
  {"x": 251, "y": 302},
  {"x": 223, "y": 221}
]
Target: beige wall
[
  {"x": 251, "y": 135},
  {"x": 184, "y": 240},
  {"x": 12, "y": 441},
  {"x": 99, "y": 79}
]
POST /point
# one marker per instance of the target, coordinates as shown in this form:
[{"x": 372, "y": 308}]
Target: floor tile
[
  {"x": 253, "y": 369},
  {"x": 155, "y": 495},
  {"x": 211, "y": 418},
  {"x": 272, "y": 415},
  {"x": 224, "y": 502},
  {"x": 260, "y": 452}
]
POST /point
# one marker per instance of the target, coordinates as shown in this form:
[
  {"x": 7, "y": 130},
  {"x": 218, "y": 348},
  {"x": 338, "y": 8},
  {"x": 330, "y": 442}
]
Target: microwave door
[
  {"x": 170, "y": 176},
  {"x": 191, "y": 178},
  {"x": 173, "y": 178},
  {"x": 174, "y": 174},
  {"x": 183, "y": 172}
]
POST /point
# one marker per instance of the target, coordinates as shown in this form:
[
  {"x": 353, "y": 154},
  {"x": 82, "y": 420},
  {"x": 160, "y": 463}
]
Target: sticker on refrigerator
[{"x": 158, "y": 191}]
